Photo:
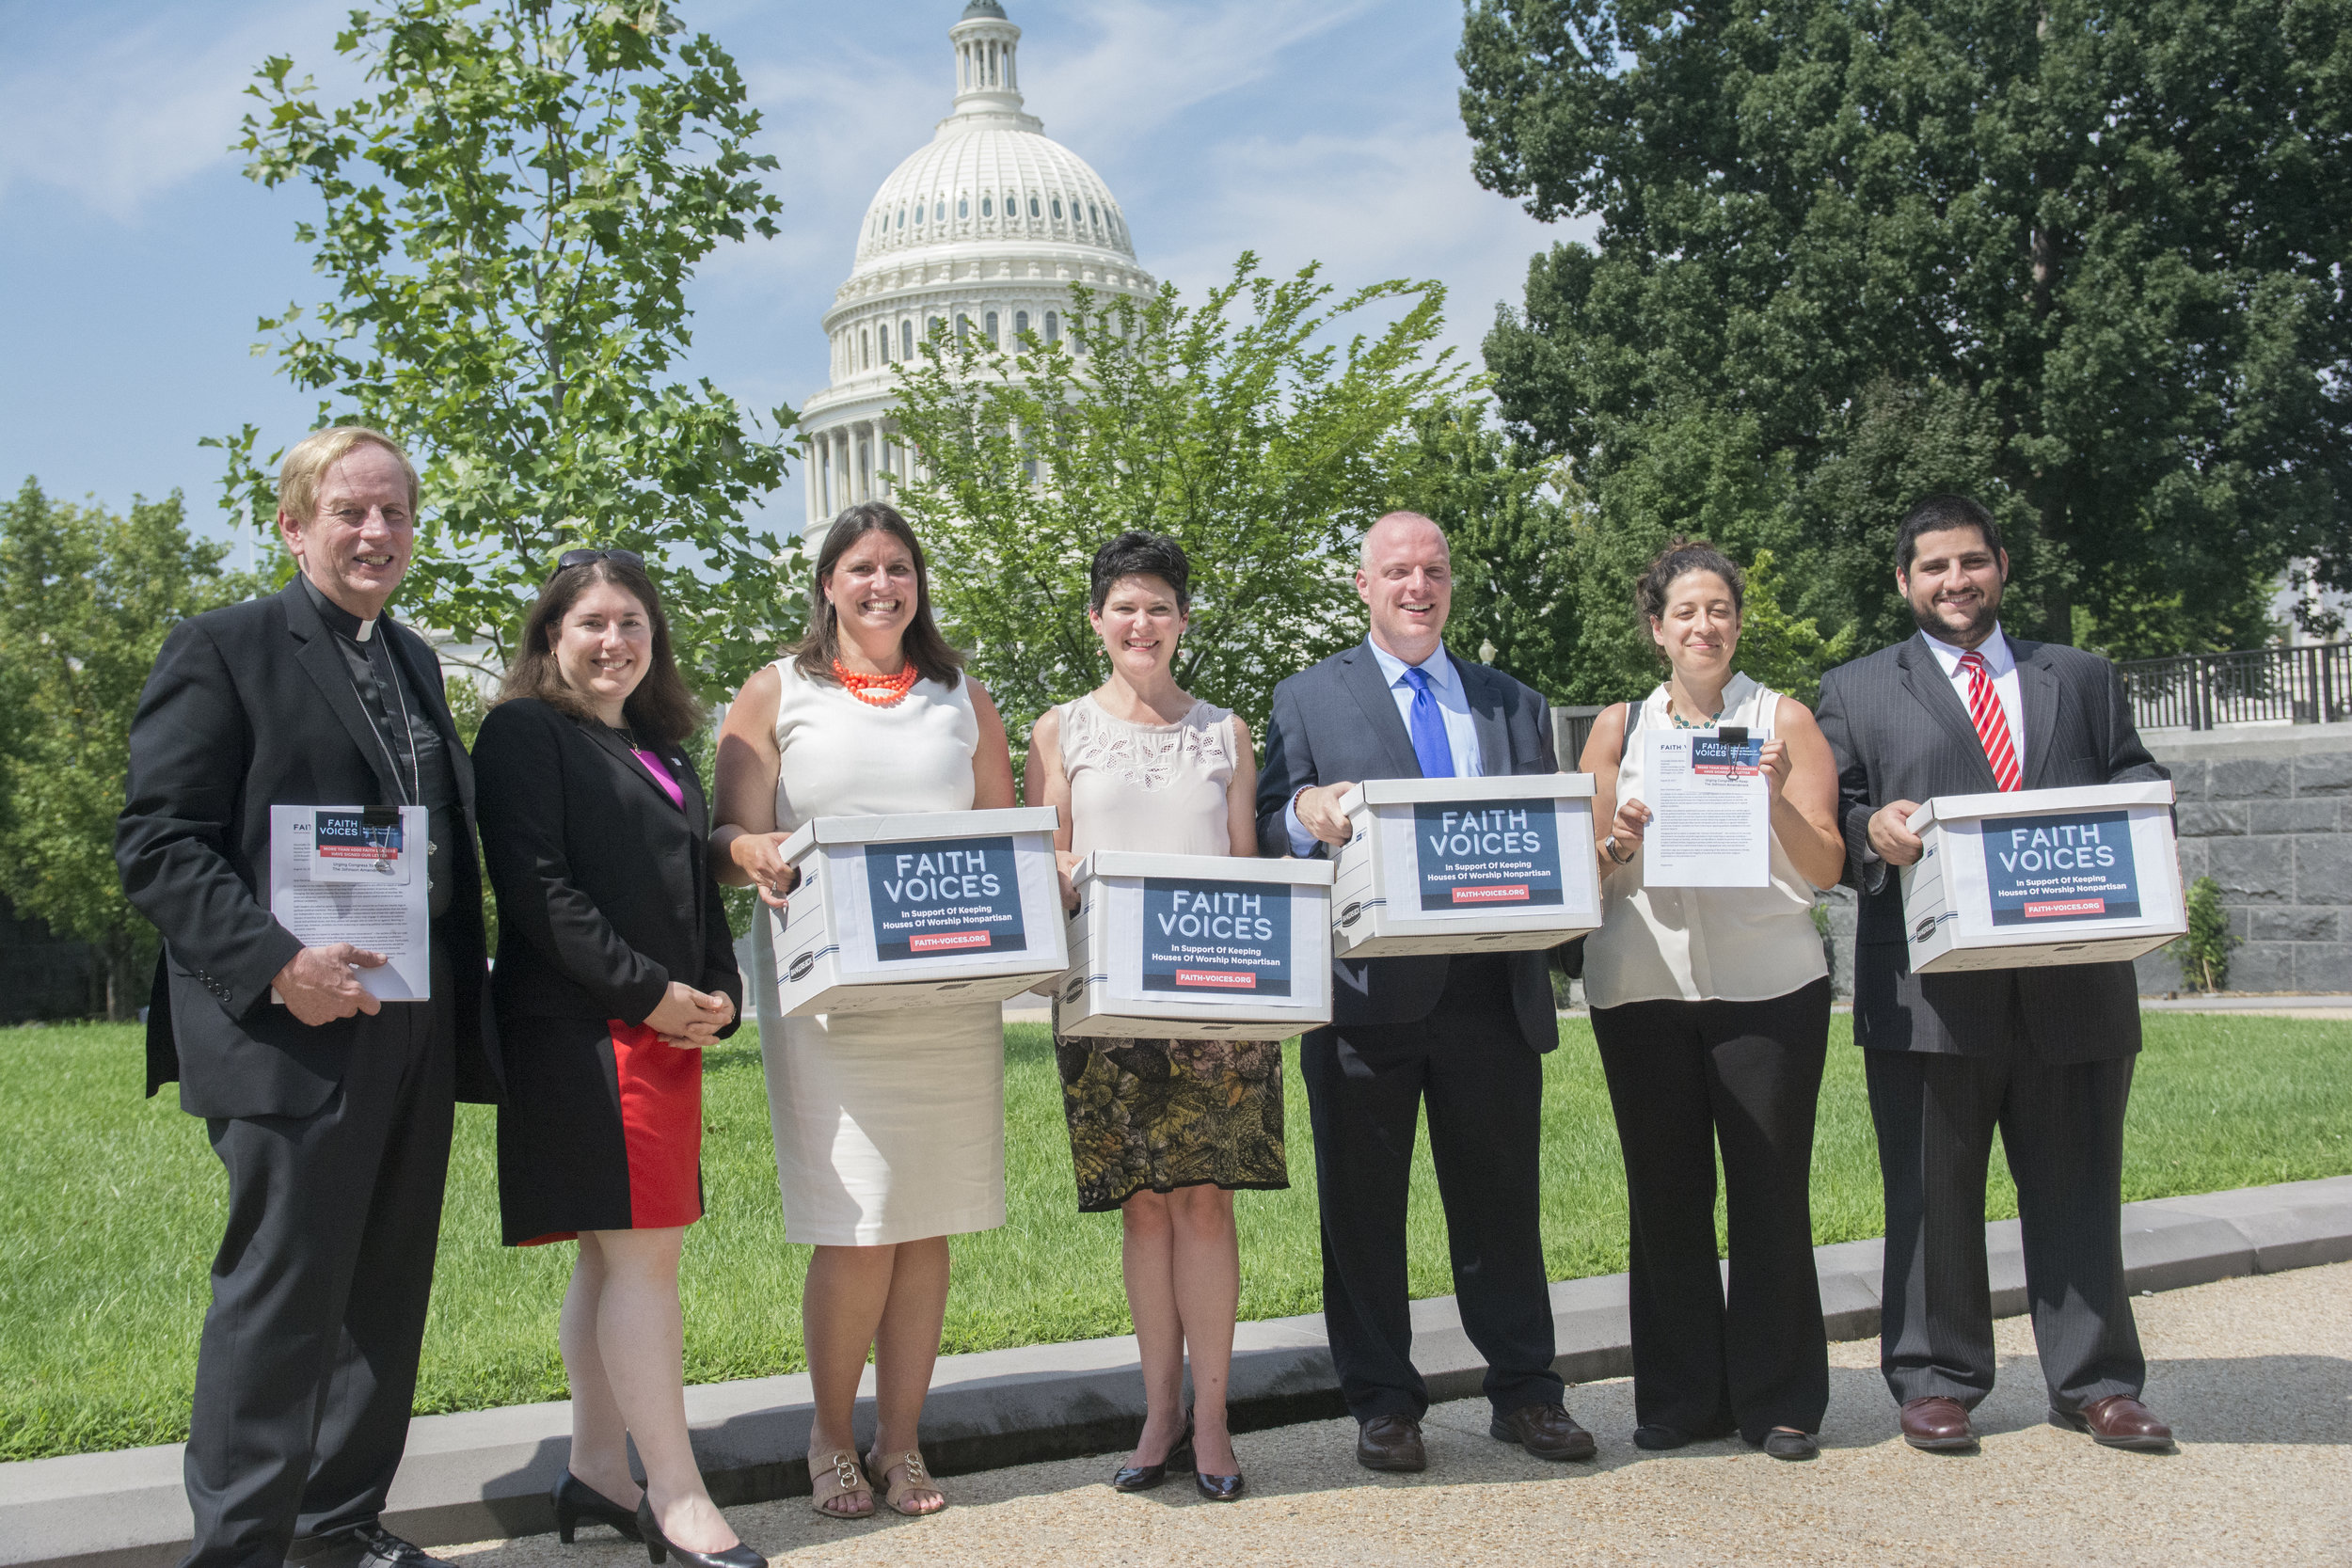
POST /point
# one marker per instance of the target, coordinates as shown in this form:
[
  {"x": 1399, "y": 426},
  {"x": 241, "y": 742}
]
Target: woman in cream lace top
[{"x": 1163, "y": 1131}]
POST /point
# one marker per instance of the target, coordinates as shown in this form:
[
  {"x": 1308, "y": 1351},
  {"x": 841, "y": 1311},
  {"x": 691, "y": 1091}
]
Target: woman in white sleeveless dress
[
  {"x": 1163, "y": 1131},
  {"x": 1711, "y": 1009},
  {"x": 889, "y": 1127}
]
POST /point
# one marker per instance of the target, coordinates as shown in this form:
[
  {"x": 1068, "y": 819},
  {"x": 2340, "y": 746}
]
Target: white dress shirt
[
  {"x": 2002, "y": 664},
  {"x": 1461, "y": 731}
]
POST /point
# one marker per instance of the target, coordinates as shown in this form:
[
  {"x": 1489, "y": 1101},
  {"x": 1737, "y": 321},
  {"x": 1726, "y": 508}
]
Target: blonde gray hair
[{"x": 308, "y": 460}]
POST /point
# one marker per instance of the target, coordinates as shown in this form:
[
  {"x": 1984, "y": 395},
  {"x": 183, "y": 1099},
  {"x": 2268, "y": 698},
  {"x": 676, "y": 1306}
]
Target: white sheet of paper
[
  {"x": 365, "y": 886},
  {"x": 1711, "y": 825}
]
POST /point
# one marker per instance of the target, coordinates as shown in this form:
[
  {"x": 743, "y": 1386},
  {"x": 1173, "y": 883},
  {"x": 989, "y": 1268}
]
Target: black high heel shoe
[
  {"x": 1217, "y": 1489},
  {"x": 575, "y": 1500},
  {"x": 1142, "y": 1478},
  {"x": 658, "y": 1547}
]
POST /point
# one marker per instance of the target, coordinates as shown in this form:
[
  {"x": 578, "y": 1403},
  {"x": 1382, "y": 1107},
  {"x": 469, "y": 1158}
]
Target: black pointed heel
[
  {"x": 574, "y": 1500},
  {"x": 1217, "y": 1489},
  {"x": 658, "y": 1547},
  {"x": 1142, "y": 1478}
]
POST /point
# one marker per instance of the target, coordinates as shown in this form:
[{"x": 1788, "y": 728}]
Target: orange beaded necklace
[{"x": 877, "y": 690}]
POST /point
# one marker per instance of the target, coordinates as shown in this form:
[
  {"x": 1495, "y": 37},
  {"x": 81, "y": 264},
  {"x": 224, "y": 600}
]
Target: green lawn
[{"x": 110, "y": 1205}]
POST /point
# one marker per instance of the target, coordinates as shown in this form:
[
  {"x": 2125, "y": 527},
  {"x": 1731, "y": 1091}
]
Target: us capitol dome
[{"x": 982, "y": 230}]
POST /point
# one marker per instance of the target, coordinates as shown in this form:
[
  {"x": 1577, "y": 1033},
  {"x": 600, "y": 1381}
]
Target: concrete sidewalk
[
  {"x": 2254, "y": 1374},
  {"x": 487, "y": 1473}
]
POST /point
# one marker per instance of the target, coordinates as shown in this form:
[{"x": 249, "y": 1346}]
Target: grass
[{"x": 110, "y": 1207}]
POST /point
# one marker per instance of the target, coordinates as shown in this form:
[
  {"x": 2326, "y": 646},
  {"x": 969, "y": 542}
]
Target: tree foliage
[
  {"x": 86, "y": 599},
  {"x": 2085, "y": 259},
  {"x": 1543, "y": 589},
  {"x": 1240, "y": 426},
  {"x": 510, "y": 220}
]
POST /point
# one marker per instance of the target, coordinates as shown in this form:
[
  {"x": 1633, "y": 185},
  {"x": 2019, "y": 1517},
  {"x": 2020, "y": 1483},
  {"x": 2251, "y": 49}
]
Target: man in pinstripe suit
[{"x": 2043, "y": 1054}]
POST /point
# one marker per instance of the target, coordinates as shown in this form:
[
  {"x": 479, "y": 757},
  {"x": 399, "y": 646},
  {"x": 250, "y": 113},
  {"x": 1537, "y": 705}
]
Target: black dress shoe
[
  {"x": 1217, "y": 1489},
  {"x": 1655, "y": 1435},
  {"x": 1791, "y": 1444},
  {"x": 369, "y": 1546},
  {"x": 1546, "y": 1430},
  {"x": 1390, "y": 1443},
  {"x": 575, "y": 1500},
  {"x": 1142, "y": 1478},
  {"x": 658, "y": 1547}
]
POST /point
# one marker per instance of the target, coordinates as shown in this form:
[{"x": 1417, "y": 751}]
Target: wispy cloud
[
  {"x": 113, "y": 116},
  {"x": 1148, "y": 66}
]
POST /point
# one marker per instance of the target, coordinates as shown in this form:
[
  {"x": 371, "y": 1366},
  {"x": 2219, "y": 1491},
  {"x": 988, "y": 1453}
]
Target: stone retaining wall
[{"x": 2267, "y": 815}]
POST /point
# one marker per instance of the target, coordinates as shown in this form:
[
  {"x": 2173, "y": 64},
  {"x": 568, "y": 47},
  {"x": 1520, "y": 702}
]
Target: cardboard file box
[
  {"x": 916, "y": 910},
  {"x": 1198, "y": 946},
  {"x": 1466, "y": 865},
  {"x": 2036, "y": 877}
]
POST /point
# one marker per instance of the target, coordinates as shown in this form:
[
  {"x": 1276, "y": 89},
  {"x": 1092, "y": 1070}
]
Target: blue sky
[{"x": 134, "y": 257}]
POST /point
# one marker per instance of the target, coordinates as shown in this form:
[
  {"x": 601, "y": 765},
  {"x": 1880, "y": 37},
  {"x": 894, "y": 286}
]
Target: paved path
[{"x": 2255, "y": 1373}]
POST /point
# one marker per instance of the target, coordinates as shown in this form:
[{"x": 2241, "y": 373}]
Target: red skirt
[{"x": 601, "y": 1129}]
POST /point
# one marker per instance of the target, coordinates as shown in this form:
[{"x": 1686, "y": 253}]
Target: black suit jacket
[
  {"x": 1338, "y": 721},
  {"x": 1901, "y": 732},
  {"x": 250, "y": 706},
  {"x": 603, "y": 887}
]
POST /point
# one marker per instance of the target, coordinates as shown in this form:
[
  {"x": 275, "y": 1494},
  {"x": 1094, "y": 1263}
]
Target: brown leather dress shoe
[
  {"x": 1546, "y": 1430},
  {"x": 2118, "y": 1421},
  {"x": 1390, "y": 1443},
  {"x": 1938, "y": 1424}
]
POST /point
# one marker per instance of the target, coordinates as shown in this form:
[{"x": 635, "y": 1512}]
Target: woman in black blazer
[{"x": 615, "y": 969}]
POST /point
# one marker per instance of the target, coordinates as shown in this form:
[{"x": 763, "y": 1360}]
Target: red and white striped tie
[{"x": 1984, "y": 706}]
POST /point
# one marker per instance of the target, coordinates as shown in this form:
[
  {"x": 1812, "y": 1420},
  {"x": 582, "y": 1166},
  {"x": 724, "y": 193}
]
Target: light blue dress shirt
[{"x": 1461, "y": 731}]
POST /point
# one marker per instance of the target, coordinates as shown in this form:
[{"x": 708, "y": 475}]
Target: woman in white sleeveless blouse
[
  {"x": 1163, "y": 1131},
  {"x": 1711, "y": 1009},
  {"x": 889, "y": 1127}
]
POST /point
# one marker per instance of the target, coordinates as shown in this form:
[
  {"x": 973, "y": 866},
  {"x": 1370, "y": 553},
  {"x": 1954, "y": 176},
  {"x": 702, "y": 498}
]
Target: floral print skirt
[{"x": 1156, "y": 1115}]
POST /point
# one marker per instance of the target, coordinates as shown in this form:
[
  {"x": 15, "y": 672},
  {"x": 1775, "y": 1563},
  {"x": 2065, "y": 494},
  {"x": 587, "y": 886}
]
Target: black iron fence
[{"x": 2198, "y": 691}]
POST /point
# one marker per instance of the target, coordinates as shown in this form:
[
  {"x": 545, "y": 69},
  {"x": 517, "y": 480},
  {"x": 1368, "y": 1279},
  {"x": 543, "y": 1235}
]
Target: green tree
[
  {"x": 510, "y": 222},
  {"x": 86, "y": 599},
  {"x": 1240, "y": 426},
  {"x": 1513, "y": 524},
  {"x": 2082, "y": 257},
  {"x": 1543, "y": 589}
]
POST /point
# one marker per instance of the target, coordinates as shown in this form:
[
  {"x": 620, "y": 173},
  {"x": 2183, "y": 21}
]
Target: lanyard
[{"x": 414, "y": 794}]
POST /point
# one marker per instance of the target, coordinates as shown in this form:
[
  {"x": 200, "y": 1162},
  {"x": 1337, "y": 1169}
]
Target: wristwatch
[{"x": 1608, "y": 846}]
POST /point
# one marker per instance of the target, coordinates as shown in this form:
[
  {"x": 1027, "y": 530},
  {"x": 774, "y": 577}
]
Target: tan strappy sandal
[
  {"x": 838, "y": 1477},
  {"x": 916, "y": 1479}
]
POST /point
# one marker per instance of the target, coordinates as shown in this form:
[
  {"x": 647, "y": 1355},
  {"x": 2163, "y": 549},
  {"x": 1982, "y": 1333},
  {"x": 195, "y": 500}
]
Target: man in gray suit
[
  {"x": 2043, "y": 1054},
  {"x": 1461, "y": 1035}
]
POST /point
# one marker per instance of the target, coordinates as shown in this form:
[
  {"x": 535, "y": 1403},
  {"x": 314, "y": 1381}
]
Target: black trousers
[
  {"x": 308, "y": 1364},
  {"x": 1685, "y": 1077},
  {"x": 2062, "y": 1126},
  {"x": 1484, "y": 1090}
]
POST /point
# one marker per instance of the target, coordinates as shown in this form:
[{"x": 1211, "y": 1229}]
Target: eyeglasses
[{"x": 570, "y": 559}]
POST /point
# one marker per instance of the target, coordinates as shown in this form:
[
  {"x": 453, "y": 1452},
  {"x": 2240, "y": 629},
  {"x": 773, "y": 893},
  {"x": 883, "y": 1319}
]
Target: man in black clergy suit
[
  {"x": 2044, "y": 1055},
  {"x": 331, "y": 1111},
  {"x": 1462, "y": 1033}
]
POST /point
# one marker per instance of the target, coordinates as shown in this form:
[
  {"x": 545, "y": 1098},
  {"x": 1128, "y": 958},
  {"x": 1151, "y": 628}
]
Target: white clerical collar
[
  {"x": 337, "y": 618},
  {"x": 1998, "y": 660}
]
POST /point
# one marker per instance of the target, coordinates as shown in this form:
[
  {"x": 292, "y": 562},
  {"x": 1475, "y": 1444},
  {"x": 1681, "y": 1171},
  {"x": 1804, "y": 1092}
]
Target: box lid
[
  {"x": 1505, "y": 787},
  {"x": 2042, "y": 802},
  {"x": 925, "y": 824},
  {"x": 1209, "y": 869}
]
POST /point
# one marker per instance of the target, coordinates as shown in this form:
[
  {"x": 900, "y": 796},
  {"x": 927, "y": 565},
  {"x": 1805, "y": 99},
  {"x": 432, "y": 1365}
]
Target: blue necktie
[{"x": 1429, "y": 742}]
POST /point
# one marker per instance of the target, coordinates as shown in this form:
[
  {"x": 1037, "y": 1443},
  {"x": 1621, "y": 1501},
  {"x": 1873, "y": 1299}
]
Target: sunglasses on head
[{"x": 570, "y": 559}]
